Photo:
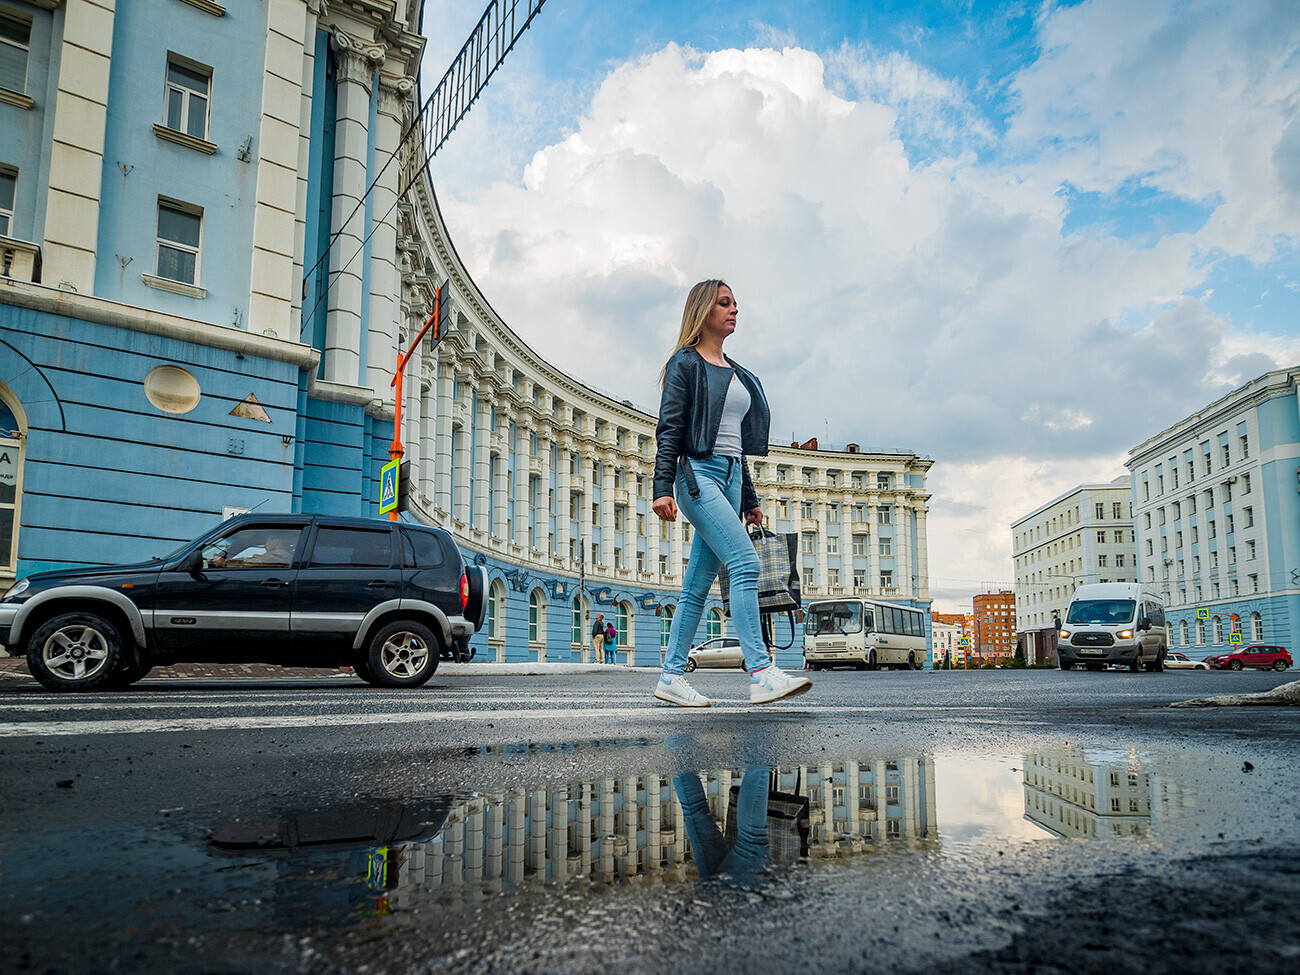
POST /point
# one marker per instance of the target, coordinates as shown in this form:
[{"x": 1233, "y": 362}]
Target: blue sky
[{"x": 1019, "y": 238}]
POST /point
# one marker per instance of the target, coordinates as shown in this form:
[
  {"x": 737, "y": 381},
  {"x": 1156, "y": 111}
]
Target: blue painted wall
[
  {"x": 224, "y": 186},
  {"x": 107, "y": 476}
]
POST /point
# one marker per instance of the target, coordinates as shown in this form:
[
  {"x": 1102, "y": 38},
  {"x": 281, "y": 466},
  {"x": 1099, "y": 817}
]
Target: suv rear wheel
[
  {"x": 402, "y": 654},
  {"x": 1279, "y": 665},
  {"x": 74, "y": 652}
]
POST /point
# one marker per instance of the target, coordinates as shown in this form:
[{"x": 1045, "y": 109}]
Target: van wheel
[
  {"x": 1136, "y": 666},
  {"x": 402, "y": 654},
  {"x": 1159, "y": 665},
  {"x": 74, "y": 652},
  {"x": 1064, "y": 664}
]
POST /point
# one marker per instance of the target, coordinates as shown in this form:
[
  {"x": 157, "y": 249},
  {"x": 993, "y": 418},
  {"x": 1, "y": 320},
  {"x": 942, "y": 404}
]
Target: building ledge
[
  {"x": 176, "y": 287},
  {"x": 17, "y": 98},
  {"x": 182, "y": 139},
  {"x": 208, "y": 7}
]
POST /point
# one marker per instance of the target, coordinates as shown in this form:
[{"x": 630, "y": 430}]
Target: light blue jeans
[
  {"x": 720, "y": 537},
  {"x": 708, "y": 845}
]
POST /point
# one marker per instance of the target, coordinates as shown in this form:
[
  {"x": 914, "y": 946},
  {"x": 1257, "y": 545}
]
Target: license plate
[{"x": 1088, "y": 650}]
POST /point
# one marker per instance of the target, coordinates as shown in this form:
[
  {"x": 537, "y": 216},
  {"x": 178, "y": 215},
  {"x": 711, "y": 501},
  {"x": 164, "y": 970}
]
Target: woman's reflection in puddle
[{"x": 745, "y": 858}]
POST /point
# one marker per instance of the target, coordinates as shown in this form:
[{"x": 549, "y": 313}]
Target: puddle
[{"x": 352, "y": 869}]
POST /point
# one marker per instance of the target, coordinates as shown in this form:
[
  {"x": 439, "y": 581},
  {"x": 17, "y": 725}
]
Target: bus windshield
[
  {"x": 1101, "y": 611},
  {"x": 829, "y": 618}
]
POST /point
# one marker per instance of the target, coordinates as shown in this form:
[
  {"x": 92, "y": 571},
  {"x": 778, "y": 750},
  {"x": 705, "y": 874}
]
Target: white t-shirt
[{"x": 733, "y": 411}]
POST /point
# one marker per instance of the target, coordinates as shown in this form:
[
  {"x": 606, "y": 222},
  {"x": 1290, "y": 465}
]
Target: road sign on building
[{"x": 388, "y": 478}]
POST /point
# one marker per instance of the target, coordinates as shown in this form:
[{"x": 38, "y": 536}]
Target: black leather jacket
[{"x": 690, "y": 413}]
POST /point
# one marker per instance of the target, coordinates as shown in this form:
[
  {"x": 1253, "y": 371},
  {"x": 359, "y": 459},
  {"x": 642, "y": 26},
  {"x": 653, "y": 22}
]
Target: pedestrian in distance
[
  {"x": 611, "y": 643},
  {"x": 598, "y": 638},
  {"x": 713, "y": 414}
]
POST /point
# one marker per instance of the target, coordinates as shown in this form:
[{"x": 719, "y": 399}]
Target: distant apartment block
[
  {"x": 1217, "y": 505},
  {"x": 1082, "y": 536},
  {"x": 995, "y": 626}
]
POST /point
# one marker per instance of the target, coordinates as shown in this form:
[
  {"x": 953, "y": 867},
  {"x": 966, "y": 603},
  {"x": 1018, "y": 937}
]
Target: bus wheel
[{"x": 871, "y": 661}]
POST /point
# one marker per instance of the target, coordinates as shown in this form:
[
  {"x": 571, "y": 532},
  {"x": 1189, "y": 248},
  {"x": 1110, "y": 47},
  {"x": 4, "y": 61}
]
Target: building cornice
[{"x": 38, "y": 297}]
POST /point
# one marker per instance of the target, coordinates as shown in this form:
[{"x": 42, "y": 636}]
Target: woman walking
[{"x": 712, "y": 414}]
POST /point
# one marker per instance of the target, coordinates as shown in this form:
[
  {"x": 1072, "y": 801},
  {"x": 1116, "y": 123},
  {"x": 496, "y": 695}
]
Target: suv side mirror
[{"x": 192, "y": 563}]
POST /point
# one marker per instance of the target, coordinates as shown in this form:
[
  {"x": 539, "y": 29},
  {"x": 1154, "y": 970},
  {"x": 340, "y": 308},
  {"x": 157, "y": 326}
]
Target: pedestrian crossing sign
[
  {"x": 1234, "y": 638},
  {"x": 1202, "y": 614},
  {"x": 388, "y": 487}
]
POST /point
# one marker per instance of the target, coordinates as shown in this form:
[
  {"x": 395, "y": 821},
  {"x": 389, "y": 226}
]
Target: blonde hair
[{"x": 699, "y": 302}]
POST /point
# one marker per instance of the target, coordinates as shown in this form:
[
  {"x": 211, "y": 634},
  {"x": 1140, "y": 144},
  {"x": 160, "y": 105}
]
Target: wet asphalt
[{"x": 1008, "y": 821}]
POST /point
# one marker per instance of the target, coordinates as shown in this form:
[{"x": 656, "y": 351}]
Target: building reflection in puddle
[
  {"x": 1087, "y": 792},
  {"x": 656, "y": 829}
]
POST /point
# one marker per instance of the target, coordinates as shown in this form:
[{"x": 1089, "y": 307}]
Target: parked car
[
  {"x": 1180, "y": 661},
  {"x": 1257, "y": 655},
  {"x": 388, "y": 599}
]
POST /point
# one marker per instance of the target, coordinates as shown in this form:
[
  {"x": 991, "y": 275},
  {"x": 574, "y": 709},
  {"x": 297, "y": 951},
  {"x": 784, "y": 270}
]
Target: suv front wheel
[
  {"x": 402, "y": 654},
  {"x": 74, "y": 652}
]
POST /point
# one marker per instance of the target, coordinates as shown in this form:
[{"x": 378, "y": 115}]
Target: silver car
[
  {"x": 721, "y": 651},
  {"x": 1180, "y": 661}
]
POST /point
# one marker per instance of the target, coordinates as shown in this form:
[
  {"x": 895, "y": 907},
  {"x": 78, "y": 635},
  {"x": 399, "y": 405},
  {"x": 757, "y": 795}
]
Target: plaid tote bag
[{"x": 778, "y": 573}]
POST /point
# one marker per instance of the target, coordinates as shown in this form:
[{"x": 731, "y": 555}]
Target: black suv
[{"x": 388, "y": 599}]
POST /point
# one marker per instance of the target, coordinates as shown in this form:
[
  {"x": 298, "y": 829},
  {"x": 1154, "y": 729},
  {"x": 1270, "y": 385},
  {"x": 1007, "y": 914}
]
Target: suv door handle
[
  {"x": 274, "y": 583},
  {"x": 379, "y": 584}
]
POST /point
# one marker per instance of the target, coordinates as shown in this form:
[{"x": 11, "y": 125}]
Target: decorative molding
[
  {"x": 176, "y": 287},
  {"x": 17, "y": 99},
  {"x": 208, "y": 7},
  {"x": 182, "y": 139}
]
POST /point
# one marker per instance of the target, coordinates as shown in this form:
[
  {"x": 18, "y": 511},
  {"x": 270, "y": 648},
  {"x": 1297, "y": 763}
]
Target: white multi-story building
[
  {"x": 1218, "y": 516},
  {"x": 946, "y": 640},
  {"x": 1083, "y": 536}
]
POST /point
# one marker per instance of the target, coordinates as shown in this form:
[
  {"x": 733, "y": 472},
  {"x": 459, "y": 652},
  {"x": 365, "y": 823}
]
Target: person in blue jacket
[{"x": 711, "y": 416}]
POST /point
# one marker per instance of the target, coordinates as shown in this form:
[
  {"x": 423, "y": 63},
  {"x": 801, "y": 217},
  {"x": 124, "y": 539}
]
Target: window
[
  {"x": 1116, "y": 509},
  {"x": 353, "y": 547},
  {"x": 1101, "y": 561},
  {"x": 806, "y": 510},
  {"x": 884, "y": 515},
  {"x": 8, "y": 183},
  {"x": 535, "y": 616},
  {"x": 832, "y": 513},
  {"x": 809, "y": 543},
  {"x": 187, "y": 98},
  {"x": 15, "y": 38},
  {"x": 496, "y": 611},
  {"x": 832, "y": 546},
  {"x": 1256, "y": 627},
  {"x": 1100, "y": 510},
  {"x": 886, "y": 547},
  {"x": 859, "y": 578},
  {"x": 832, "y": 577},
  {"x": 179, "y": 230},
  {"x": 1101, "y": 538},
  {"x": 1119, "y": 561},
  {"x": 1248, "y": 517},
  {"x": 713, "y": 625},
  {"x": 859, "y": 544},
  {"x": 887, "y": 578}
]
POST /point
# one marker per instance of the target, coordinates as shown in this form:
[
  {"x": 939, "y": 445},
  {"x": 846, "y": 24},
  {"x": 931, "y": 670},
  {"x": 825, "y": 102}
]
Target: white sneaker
[
  {"x": 772, "y": 683},
  {"x": 675, "y": 689}
]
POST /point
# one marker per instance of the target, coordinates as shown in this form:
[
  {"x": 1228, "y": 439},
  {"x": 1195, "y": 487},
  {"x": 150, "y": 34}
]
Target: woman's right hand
[{"x": 665, "y": 508}]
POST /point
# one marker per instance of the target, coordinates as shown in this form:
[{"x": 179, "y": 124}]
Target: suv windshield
[
  {"x": 829, "y": 618},
  {"x": 1101, "y": 611}
]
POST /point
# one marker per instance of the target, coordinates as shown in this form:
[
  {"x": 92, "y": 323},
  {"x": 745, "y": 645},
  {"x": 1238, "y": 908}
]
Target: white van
[{"x": 1113, "y": 623}]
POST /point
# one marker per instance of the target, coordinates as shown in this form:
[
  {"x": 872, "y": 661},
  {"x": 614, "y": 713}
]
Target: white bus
[{"x": 865, "y": 634}]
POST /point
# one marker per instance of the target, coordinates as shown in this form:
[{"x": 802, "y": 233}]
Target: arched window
[
  {"x": 1218, "y": 629},
  {"x": 623, "y": 624},
  {"x": 713, "y": 624},
  {"x": 1256, "y": 628},
  {"x": 536, "y": 615},
  {"x": 1183, "y": 638},
  {"x": 665, "y": 626},
  {"x": 12, "y": 434},
  {"x": 496, "y": 610},
  {"x": 1200, "y": 633},
  {"x": 578, "y": 634}
]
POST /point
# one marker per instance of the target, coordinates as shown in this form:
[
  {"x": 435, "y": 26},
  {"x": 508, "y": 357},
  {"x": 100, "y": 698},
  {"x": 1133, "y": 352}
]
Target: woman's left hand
[{"x": 754, "y": 516}]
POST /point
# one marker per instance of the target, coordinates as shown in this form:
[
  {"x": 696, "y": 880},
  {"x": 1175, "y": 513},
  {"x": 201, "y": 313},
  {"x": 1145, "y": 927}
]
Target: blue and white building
[
  {"x": 1216, "y": 505},
  {"x": 207, "y": 269}
]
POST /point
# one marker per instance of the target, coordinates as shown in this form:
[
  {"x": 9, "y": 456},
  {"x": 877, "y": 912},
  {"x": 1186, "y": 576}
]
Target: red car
[{"x": 1256, "y": 655}]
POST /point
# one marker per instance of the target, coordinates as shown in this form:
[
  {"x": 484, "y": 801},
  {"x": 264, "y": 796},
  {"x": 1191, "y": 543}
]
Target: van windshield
[
  {"x": 828, "y": 618},
  {"x": 1101, "y": 611}
]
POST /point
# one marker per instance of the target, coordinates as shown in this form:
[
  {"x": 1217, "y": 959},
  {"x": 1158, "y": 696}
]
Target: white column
[
  {"x": 384, "y": 279},
  {"x": 922, "y": 558},
  {"x": 428, "y": 385},
  {"x": 342, "y": 358},
  {"x": 523, "y": 483},
  {"x": 607, "y": 509},
  {"x": 545, "y": 435},
  {"x": 482, "y": 455},
  {"x": 501, "y": 497},
  {"x": 562, "y": 529},
  {"x": 443, "y": 461},
  {"x": 462, "y": 469}
]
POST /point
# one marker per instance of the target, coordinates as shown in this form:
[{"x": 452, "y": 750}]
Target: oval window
[{"x": 172, "y": 389}]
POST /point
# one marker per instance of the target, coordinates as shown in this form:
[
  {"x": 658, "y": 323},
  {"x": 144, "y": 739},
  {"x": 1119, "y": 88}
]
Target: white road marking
[{"x": 101, "y": 705}]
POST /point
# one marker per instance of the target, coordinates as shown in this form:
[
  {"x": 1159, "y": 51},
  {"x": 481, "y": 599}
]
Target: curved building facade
[{"x": 208, "y": 273}]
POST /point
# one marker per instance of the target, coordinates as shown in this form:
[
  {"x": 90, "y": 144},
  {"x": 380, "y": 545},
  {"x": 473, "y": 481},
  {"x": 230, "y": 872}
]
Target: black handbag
[
  {"x": 788, "y": 820},
  {"x": 778, "y": 577}
]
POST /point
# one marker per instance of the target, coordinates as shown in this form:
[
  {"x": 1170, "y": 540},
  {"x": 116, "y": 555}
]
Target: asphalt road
[{"x": 532, "y": 824}]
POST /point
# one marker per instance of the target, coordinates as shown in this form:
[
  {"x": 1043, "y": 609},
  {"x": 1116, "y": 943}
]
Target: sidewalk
[{"x": 15, "y": 668}]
